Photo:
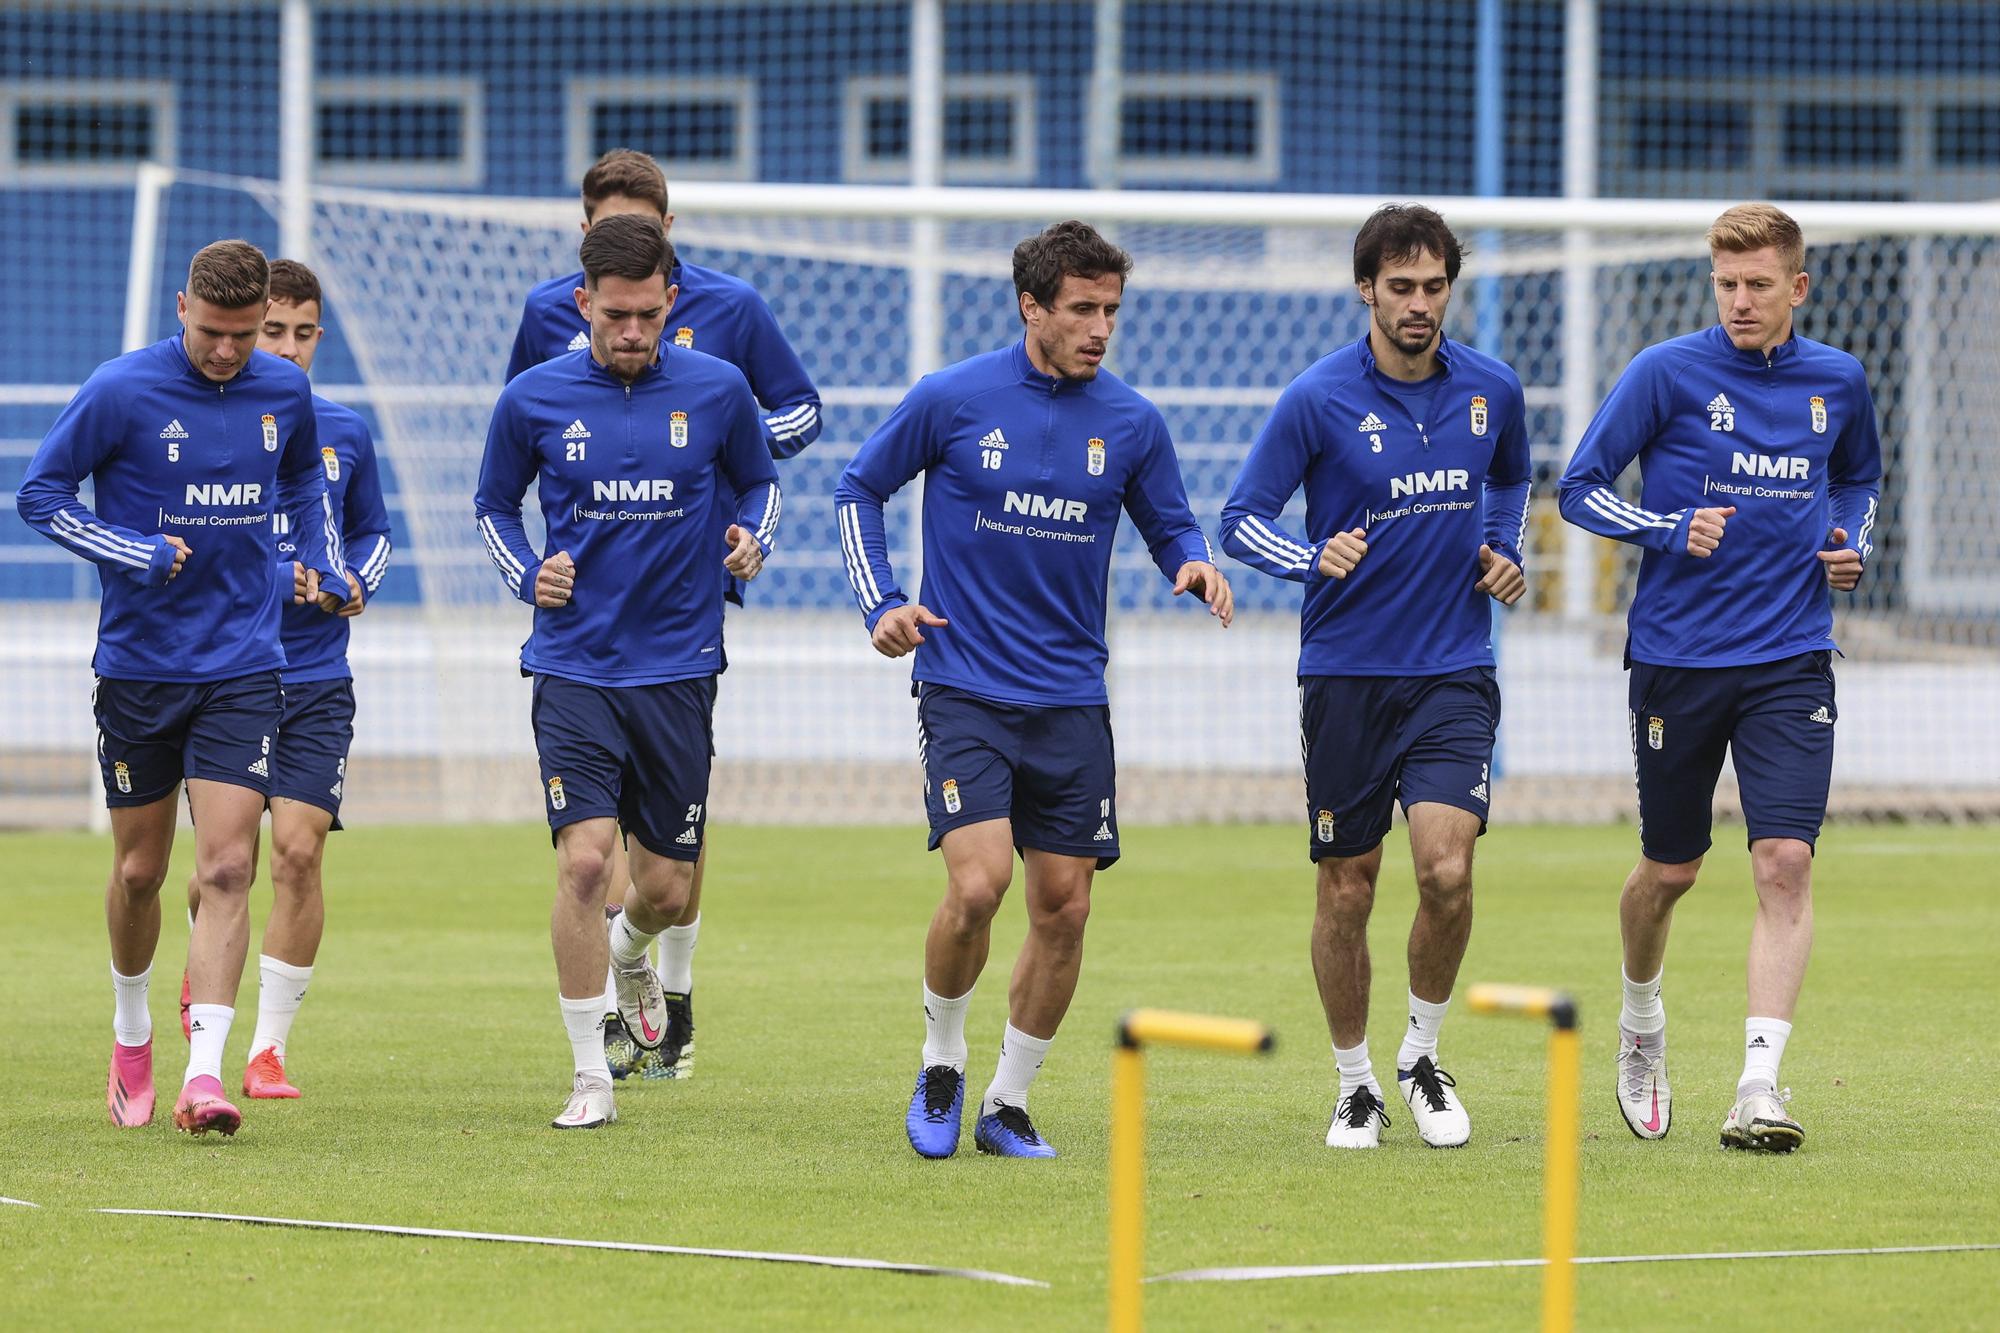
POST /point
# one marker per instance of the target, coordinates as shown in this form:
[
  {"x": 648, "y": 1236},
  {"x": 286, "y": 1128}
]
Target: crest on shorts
[
  {"x": 1818, "y": 414},
  {"x": 949, "y": 790},
  {"x": 123, "y": 775},
  {"x": 1656, "y": 732},
  {"x": 677, "y": 430},
  {"x": 557, "y": 800},
  {"x": 1478, "y": 414},
  {"x": 684, "y": 336},
  {"x": 1323, "y": 826},
  {"x": 332, "y": 461},
  {"x": 1095, "y": 449},
  {"x": 270, "y": 434}
]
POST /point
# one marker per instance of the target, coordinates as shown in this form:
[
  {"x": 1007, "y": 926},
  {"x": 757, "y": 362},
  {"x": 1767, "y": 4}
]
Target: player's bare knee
[
  {"x": 1062, "y": 919},
  {"x": 138, "y": 872},
  {"x": 1346, "y": 891},
  {"x": 1444, "y": 879},
  {"x": 1782, "y": 868},
  {"x": 295, "y": 863},
  {"x": 584, "y": 873},
  {"x": 973, "y": 894},
  {"x": 1663, "y": 882},
  {"x": 227, "y": 873}
]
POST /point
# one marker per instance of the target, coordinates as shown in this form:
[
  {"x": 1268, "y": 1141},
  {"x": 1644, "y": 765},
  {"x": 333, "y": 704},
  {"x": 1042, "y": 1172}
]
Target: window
[
  {"x": 1966, "y": 134},
  {"x": 704, "y": 129},
  {"x": 989, "y": 129},
  {"x": 428, "y": 131},
  {"x": 1687, "y": 134},
  {"x": 84, "y": 132},
  {"x": 1198, "y": 128},
  {"x": 1843, "y": 134}
]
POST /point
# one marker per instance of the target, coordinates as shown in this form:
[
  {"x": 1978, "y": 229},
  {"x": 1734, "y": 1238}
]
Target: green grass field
[{"x": 432, "y": 1057}]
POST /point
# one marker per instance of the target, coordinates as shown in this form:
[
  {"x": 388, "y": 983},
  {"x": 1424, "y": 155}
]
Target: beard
[{"x": 1402, "y": 341}]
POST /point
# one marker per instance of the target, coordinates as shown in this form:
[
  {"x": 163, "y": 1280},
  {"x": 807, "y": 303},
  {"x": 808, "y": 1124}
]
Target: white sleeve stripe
[
  {"x": 795, "y": 422},
  {"x": 88, "y": 539},
  {"x": 1867, "y": 526},
  {"x": 1521, "y": 535},
  {"x": 334, "y": 547},
  {"x": 1259, "y": 543},
  {"x": 1296, "y": 552},
  {"x": 767, "y": 527},
  {"x": 500, "y": 555},
  {"x": 1644, "y": 517},
  {"x": 110, "y": 539},
  {"x": 1594, "y": 501},
  {"x": 1627, "y": 517},
  {"x": 376, "y": 565},
  {"x": 859, "y": 574}
]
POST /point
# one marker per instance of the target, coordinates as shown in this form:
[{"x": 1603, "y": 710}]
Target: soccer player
[
  {"x": 309, "y": 756},
  {"x": 1029, "y": 454},
  {"x": 725, "y": 317},
  {"x": 189, "y": 443},
  {"x": 635, "y": 448},
  {"x": 1413, "y": 453},
  {"x": 1760, "y": 471}
]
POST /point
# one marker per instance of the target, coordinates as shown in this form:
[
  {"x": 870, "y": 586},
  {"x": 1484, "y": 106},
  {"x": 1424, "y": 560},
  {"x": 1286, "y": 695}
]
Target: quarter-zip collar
[
  {"x": 1049, "y": 384},
  {"x": 179, "y": 340},
  {"x": 654, "y": 370},
  {"x": 1783, "y": 354}
]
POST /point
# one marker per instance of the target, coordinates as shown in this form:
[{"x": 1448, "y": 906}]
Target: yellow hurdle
[
  {"x": 1560, "y": 1166},
  {"x": 1137, "y": 1030}
]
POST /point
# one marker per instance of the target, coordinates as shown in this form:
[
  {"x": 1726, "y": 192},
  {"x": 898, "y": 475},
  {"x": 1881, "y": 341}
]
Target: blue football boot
[
  {"x": 935, "y": 1110},
  {"x": 1008, "y": 1133}
]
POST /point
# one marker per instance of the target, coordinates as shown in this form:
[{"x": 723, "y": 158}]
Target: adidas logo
[
  {"x": 581, "y": 341},
  {"x": 1103, "y": 833},
  {"x": 173, "y": 430},
  {"x": 261, "y": 768},
  {"x": 688, "y": 839},
  {"x": 1371, "y": 422},
  {"x": 1721, "y": 403},
  {"x": 993, "y": 439},
  {"x": 1758, "y": 1043},
  {"x": 1820, "y": 715},
  {"x": 576, "y": 430},
  {"x": 1479, "y": 792}
]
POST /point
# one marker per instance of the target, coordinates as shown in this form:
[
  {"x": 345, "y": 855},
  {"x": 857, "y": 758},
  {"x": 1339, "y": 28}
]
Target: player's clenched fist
[
  {"x": 897, "y": 632},
  {"x": 1842, "y": 562},
  {"x": 745, "y": 556},
  {"x": 181, "y": 554},
  {"x": 1342, "y": 552},
  {"x": 1705, "y": 530},
  {"x": 555, "y": 582}
]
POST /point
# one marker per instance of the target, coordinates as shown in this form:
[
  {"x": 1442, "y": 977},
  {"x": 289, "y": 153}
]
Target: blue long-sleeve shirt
[
  {"x": 171, "y": 452},
  {"x": 637, "y": 482},
  {"x": 1789, "y": 440},
  {"x": 1024, "y": 479},
  {"x": 315, "y": 642},
  {"x": 715, "y": 313},
  {"x": 1429, "y": 471}
]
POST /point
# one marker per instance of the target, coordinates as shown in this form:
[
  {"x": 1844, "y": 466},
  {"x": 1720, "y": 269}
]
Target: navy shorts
[
  {"x": 151, "y": 734},
  {"x": 1774, "y": 719},
  {"x": 309, "y": 761},
  {"x": 1371, "y": 741},
  {"x": 639, "y": 754},
  {"x": 1049, "y": 770}
]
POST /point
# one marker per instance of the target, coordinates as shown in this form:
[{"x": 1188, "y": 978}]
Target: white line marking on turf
[
  {"x": 1447, "y": 1265},
  {"x": 18, "y": 1203},
  {"x": 820, "y": 1260}
]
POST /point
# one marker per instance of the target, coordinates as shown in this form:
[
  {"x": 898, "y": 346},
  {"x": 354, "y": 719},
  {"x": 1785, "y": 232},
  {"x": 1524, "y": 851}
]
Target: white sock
[
  {"x": 1643, "y": 1010},
  {"x": 1420, "y": 1038},
  {"x": 1763, "y": 1046},
  {"x": 1021, "y": 1059},
  {"x": 677, "y": 956},
  {"x": 944, "y": 1030},
  {"x": 131, "y": 1020},
  {"x": 1355, "y": 1069},
  {"x": 281, "y": 988},
  {"x": 208, "y": 1032},
  {"x": 628, "y": 942},
  {"x": 584, "y": 1021}
]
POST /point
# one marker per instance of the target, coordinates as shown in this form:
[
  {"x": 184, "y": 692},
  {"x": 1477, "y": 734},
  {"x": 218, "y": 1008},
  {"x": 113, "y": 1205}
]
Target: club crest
[
  {"x": 270, "y": 434},
  {"x": 332, "y": 461},
  {"x": 677, "y": 430},
  {"x": 683, "y": 337},
  {"x": 1818, "y": 414},
  {"x": 1478, "y": 414},
  {"x": 1095, "y": 455}
]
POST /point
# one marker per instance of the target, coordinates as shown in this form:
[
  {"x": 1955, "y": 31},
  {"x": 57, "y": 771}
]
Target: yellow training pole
[
  {"x": 1564, "y": 1145},
  {"x": 1128, "y": 1135},
  {"x": 1128, "y": 1186}
]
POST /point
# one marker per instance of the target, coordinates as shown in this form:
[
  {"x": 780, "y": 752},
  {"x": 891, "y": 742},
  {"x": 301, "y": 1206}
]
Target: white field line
[
  {"x": 1441, "y": 1266},
  {"x": 18, "y": 1203},
  {"x": 818, "y": 1260}
]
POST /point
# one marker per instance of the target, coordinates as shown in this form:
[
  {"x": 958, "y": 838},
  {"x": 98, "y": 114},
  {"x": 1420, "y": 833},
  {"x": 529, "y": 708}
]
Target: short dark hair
[
  {"x": 628, "y": 172},
  {"x": 1404, "y": 232},
  {"x": 229, "y": 274},
  {"x": 295, "y": 284},
  {"x": 1066, "y": 250},
  {"x": 625, "y": 245}
]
